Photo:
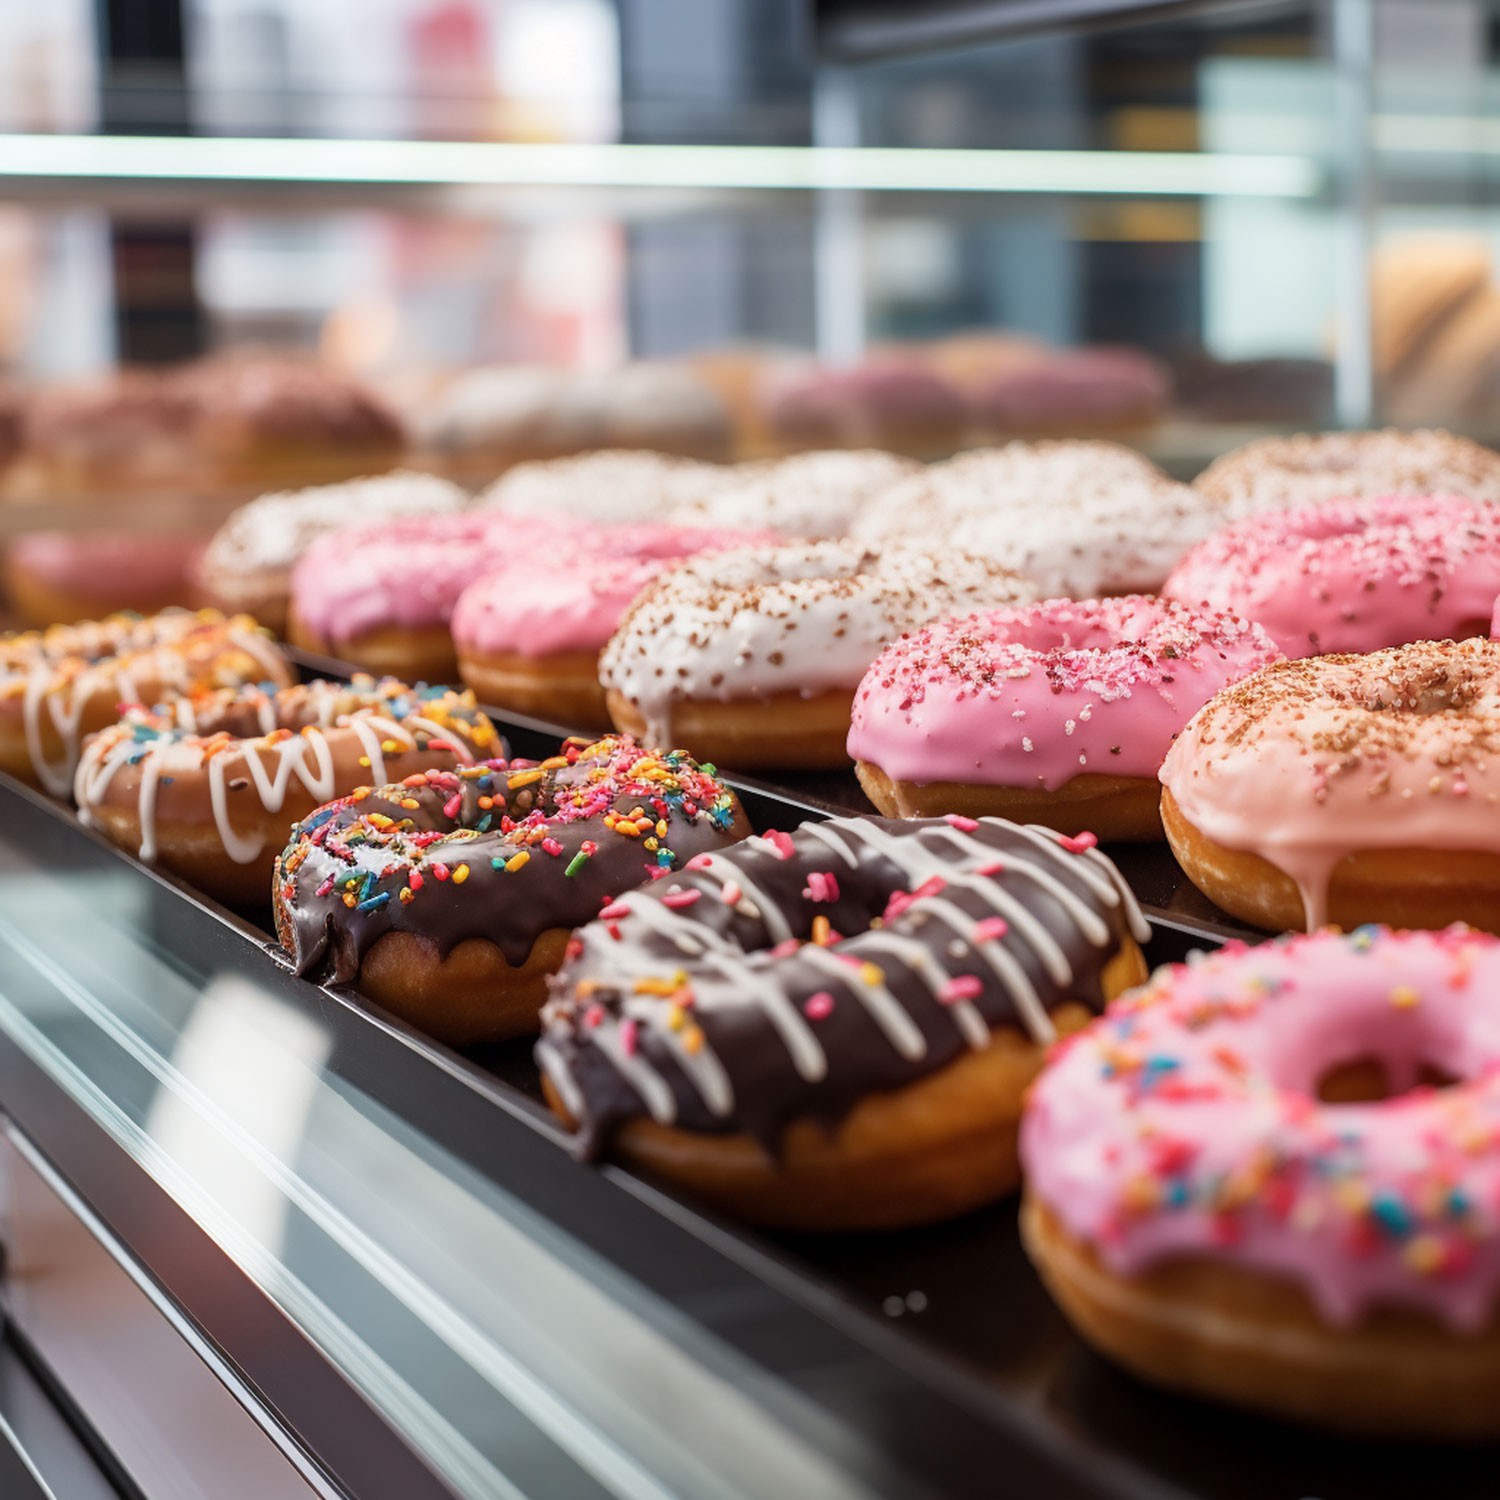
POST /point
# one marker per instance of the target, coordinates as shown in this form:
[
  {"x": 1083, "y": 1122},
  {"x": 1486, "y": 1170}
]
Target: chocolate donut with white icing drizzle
[
  {"x": 833, "y": 1028},
  {"x": 210, "y": 786}
]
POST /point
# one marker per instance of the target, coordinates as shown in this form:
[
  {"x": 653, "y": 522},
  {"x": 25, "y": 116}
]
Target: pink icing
[
  {"x": 108, "y": 564},
  {"x": 1352, "y": 575},
  {"x": 1315, "y": 759},
  {"x": 1038, "y": 694},
  {"x": 1185, "y": 1123},
  {"x": 400, "y": 572},
  {"x": 519, "y": 606}
]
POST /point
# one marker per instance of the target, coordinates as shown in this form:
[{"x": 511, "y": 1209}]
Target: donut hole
[
  {"x": 1367, "y": 1080},
  {"x": 1422, "y": 694}
]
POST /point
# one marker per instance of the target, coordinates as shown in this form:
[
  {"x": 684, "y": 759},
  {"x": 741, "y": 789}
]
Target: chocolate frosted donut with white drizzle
[
  {"x": 449, "y": 897},
  {"x": 833, "y": 1029},
  {"x": 209, "y": 787},
  {"x": 59, "y": 685}
]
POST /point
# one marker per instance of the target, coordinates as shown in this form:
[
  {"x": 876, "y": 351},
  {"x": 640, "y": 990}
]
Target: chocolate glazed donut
[
  {"x": 448, "y": 897},
  {"x": 833, "y": 1029}
]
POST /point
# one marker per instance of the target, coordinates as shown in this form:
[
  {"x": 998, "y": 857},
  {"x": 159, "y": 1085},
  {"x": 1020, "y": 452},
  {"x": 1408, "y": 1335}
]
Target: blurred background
[{"x": 1177, "y": 224}]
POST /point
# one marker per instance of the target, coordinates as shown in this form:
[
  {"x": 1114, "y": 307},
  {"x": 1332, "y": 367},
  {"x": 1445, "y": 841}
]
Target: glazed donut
[
  {"x": 1353, "y": 575},
  {"x": 382, "y": 596},
  {"x": 248, "y": 564},
  {"x": 448, "y": 898},
  {"x": 1079, "y": 519},
  {"x": 60, "y": 685},
  {"x": 807, "y": 495},
  {"x": 612, "y": 487},
  {"x": 833, "y": 1029},
  {"x": 1289, "y": 473},
  {"x": 1056, "y": 713},
  {"x": 207, "y": 787},
  {"x": 528, "y": 637},
  {"x": 1346, "y": 789},
  {"x": 752, "y": 657},
  {"x": 1221, "y": 1196},
  {"x": 57, "y": 577}
]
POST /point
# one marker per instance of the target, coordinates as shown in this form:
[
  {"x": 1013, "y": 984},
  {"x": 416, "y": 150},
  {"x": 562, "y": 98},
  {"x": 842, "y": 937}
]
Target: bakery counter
[{"x": 261, "y": 1239}]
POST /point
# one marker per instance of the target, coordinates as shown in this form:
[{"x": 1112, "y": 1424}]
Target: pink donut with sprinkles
[
  {"x": 529, "y": 632},
  {"x": 1057, "y": 713},
  {"x": 1353, "y": 575},
  {"x": 1207, "y": 1213}
]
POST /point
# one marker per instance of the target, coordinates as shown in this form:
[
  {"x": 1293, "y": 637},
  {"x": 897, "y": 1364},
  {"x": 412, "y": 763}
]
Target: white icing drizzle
[{"x": 915, "y": 855}]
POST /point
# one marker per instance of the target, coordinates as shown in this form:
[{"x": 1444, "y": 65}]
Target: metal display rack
[{"x": 370, "y": 1267}]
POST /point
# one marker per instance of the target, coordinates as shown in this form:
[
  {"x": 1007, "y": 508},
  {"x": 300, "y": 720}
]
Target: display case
[{"x": 262, "y": 1239}]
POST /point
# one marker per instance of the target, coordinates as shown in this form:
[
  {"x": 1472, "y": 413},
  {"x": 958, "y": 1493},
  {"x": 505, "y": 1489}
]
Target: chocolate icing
[
  {"x": 500, "y": 850},
  {"x": 718, "y": 1000}
]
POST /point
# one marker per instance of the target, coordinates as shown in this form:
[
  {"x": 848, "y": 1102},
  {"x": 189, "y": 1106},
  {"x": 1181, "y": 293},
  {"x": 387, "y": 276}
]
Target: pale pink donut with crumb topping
[
  {"x": 1058, "y": 713},
  {"x": 1353, "y": 575}
]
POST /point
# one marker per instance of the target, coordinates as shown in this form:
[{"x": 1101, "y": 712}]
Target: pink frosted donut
[
  {"x": 1203, "y": 1215},
  {"x": 1353, "y": 575},
  {"x": 528, "y": 632},
  {"x": 1059, "y": 712},
  {"x": 58, "y": 577}
]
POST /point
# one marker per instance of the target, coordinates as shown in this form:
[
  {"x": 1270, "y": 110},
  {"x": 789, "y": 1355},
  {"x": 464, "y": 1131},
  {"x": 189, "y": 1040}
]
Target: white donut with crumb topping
[{"x": 751, "y": 657}]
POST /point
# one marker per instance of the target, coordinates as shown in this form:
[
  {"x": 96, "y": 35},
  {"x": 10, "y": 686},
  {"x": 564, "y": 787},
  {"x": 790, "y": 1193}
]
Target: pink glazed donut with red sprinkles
[
  {"x": 1242, "y": 1180},
  {"x": 1353, "y": 575},
  {"x": 529, "y": 632},
  {"x": 1057, "y": 713}
]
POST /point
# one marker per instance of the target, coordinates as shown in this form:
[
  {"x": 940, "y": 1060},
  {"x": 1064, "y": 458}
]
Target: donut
[
  {"x": 1242, "y": 1183},
  {"x": 270, "y": 418},
  {"x": 751, "y": 657},
  {"x": 808, "y": 495},
  {"x": 1267, "y": 389},
  {"x": 207, "y": 787},
  {"x": 123, "y": 432},
  {"x": 248, "y": 564},
  {"x": 890, "y": 401},
  {"x": 1353, "y": 575},
  {"x": 1289, "y": 473},
  {"x": 60, "y": 685},
  {"x": 528, "y": 637},
  {"x": 834, "y": 1028},
  {"x": 1057, "y": 713},
  {"x": 1346, "y": 789},
  {"x": 382, "y": 596},
  {"x": 656, "y": 404},
  {"x": 612, "y": 487},
  {"x": 448, "y": 897},
  {"x": 496, "y": 415},
  {"x": 57, "y": 577},
  {"x": 1097, "y": 387},
  {"x": 1079, "y": 519}
]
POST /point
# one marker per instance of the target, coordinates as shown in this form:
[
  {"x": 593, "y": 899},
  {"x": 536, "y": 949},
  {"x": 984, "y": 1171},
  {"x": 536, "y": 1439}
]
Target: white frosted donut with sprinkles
[
  {"x": 1242, "y": 1181},
  {"x": 751, "y": 657},
  {"x": 1058, "y": 713}
]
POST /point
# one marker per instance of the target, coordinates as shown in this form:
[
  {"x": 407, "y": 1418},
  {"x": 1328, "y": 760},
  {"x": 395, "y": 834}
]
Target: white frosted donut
[
  {"x": 610, "y": 485},
  {"x": 248, "y": 564},
  {"x": 1080, "y": 519},
  {"x": 1289, "y": 473},
  {"x": 817, "y": 494},
  {"x": 761, "y": 623}
]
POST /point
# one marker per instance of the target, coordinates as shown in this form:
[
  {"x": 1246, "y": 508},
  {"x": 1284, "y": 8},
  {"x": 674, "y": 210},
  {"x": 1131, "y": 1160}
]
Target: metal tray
[{"x": 948, "y": 1361}]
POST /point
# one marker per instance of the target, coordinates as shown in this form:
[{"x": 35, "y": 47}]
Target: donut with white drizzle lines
[
  {"x": 833, "y": 1029},
  {"x": 59, "y": 685},
  {"x": 209, "y": 787}
]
